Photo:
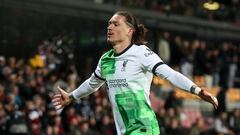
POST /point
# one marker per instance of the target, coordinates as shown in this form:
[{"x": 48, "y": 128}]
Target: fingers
[
  {"x": 59, "y": 108},
  {"x": 60, "y": 89},
  {"x": 215, "y": 102},
  {"x": 60, "y": 100},
  {"x": 57, "y": 103},
  {"x": 208, "y": 97},
  {"x": 56, "y": 98}
]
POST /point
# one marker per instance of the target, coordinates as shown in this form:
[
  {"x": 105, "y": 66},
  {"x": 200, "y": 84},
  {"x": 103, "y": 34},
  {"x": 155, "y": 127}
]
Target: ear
[{"x": 130, "y": 31}]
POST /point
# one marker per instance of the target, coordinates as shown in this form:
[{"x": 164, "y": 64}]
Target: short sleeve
[{"x": 149, "y": 59}]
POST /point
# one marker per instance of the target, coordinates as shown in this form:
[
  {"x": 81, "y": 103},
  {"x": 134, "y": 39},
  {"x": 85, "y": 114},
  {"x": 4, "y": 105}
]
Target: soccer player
[{"x": 128, "y": 69}]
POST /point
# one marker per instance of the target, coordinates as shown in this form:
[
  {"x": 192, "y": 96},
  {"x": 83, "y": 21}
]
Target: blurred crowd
[
  {"x": 228, "y": 9},
  {"x": 177, "y": 120},
  {"x": 217, "y": 63}
]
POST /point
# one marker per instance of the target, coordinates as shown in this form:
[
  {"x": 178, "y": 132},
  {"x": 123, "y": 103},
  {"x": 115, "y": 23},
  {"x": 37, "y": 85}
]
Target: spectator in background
[
  {"x": 225, "y": 60},
  {"x": 198, "y": 127},
  {"x": 212, "y": 67},
  {"x": 221, "y": 96},
  {"x": 3, "y": 97},
  {"x": 170, "y": 113},
  {"x": 221, "y": 124},
  {"x": 233, "y": 65},
  {"x": 86, "y": 110},
  {"x": 174, "y": 127},
  {"x": 199, "y": 58},
  {"x": 2, "y": 65},
  {"x": 237, "y": 84},
  {"x": 95, "y": 126},
  {"x": 3, "y": 120},
  {"x": 85, "y": 130},
  {"x": 161, "y": 114},
  {"x": 17, "y": 99},
  {"x": 186, "y": 65},
  {"x": 12, "y": 64},
  {"x": 17, "y": 122},
  {"x": 73, "y": 121},
  {"x": 172, "y": 101},
  {"x": 234, "y": 121},
  {"x": 55, "y": 126},
  {"x": 107, "y": 126},
  {"x": 164, "y": 47},
  {"x": 175, "y": 52},
  {"x": 51, "y": 59},
  {"x": 50, "y": 84}
]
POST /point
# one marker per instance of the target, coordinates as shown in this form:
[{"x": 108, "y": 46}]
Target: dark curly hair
[{"x": 140, "y": 31}]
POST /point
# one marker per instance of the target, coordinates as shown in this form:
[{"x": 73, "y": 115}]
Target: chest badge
[{"x": 124, "y": 65}]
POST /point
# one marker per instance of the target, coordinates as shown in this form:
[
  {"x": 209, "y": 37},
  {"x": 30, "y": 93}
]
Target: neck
[{"x": 118, "y": 48}]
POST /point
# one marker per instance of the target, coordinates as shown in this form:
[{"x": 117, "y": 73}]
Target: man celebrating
[{"x": 128, "y": 70}]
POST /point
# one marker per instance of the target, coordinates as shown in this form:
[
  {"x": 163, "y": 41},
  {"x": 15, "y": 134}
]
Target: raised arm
[{"x": 153, "y": 63}]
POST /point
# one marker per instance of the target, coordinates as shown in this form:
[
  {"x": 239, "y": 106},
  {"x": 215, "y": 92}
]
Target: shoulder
[
  {"x": 140, "y": 47},
  {"x": 143, "y": 50}
]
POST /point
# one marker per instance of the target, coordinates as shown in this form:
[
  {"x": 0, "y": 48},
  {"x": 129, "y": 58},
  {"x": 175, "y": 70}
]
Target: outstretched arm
[
  {"x": 89, "y": 86},
  {"x": 184, "y": 83}
]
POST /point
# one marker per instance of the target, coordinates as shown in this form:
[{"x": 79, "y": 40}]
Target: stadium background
[{"x": 46, "y": 43}]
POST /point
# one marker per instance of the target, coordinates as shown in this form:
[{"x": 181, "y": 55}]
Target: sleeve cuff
[{"x": 195, "y": 89}]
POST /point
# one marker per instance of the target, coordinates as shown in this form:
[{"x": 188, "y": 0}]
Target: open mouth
[{"x": 109, "y": 34}]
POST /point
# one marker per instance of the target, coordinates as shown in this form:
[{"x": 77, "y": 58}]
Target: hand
[
  {"x": 208, "y": 97},
  {"x": 60, "y": 100}
]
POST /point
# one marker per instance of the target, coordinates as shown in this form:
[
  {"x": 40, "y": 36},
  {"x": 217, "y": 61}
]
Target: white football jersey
[{"x": 128, "y": 76}]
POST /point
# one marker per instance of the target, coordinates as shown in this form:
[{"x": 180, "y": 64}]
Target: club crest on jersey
[
  {"x": 124, "y": 65},
  {"x": 148, "y": 53}
]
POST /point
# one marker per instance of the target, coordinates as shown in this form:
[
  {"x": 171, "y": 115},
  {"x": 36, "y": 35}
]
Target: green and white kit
[{"x": 128, "y": 76}]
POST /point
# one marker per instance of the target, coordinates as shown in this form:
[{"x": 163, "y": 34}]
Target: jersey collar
[{"x": 118, "y": 54}]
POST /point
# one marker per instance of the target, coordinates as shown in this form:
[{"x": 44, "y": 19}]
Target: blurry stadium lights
[{"x": 211, "y": 5}]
